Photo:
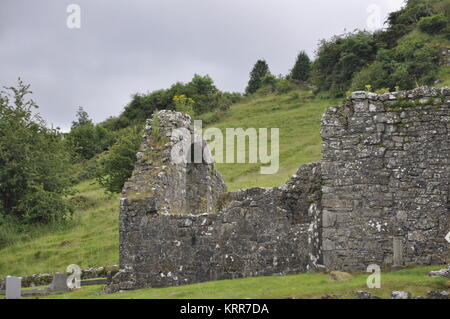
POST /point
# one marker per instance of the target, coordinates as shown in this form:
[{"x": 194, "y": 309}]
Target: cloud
[{"x": 128, "y": 46}]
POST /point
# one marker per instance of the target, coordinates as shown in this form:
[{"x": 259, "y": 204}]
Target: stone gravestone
[
  {"x": 59, "y": 283},
  {"x": 398, "y": 252},
  {"x": 13, "y": 287}
]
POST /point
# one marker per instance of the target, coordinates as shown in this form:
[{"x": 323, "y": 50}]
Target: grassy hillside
[
  {"x": 92, "y": 238},
  {"x": 310, "y": 285},
  {"x": 296, "y": 114}
]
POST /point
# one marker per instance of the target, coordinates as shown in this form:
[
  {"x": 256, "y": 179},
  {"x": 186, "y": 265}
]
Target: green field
[
  {"x": 302, "y": 286},
  {"x": 91, "y": 239}
]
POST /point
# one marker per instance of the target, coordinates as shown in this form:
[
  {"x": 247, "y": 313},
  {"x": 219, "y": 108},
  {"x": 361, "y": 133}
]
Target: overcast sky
[{"x": 129, "y": 46}]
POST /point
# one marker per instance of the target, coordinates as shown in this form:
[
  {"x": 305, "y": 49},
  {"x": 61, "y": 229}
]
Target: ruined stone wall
[
  {"x": 164, "y": 241},
  {"x": 166, "y": 185},
  {"x": 386, "y": 176},
  {"x": 380, "y": 195},
  {"x": 259, "y": 231}
]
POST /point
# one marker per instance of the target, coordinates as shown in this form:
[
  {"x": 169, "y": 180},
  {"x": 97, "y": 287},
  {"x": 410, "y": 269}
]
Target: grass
[
  {"x": 298, "y": 118},
  {"x": 91, "y": 239},
  {"x": 304, "y": 286},
  {"x": 444, "y": 77}
]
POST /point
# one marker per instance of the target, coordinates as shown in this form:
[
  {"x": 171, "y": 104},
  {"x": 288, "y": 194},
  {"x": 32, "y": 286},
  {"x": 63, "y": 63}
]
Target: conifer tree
[
  {"x": 302, "y": 68},
  {"x": 260, "y": 70}
]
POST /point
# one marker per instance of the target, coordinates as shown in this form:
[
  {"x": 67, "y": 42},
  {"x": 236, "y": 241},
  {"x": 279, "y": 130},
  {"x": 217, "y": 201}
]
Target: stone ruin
[{"x": 379, "y": 196}]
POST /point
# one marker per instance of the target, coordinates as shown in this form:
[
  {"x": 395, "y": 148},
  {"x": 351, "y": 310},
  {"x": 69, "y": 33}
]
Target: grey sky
[{"x": 129, "y": 46}]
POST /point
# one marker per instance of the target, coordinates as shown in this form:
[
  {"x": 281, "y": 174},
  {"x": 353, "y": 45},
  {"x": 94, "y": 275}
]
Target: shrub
[
  {"x": 269, "y": 81},
  {"x": 411, "y": 63},
  {"x": 434, "y": 24},
  {"x": 340, "y": 58},
  {"x": 117, "y": 165},
  {"x": 284, "y": 86},
  {"x": 184, "y": 104}
]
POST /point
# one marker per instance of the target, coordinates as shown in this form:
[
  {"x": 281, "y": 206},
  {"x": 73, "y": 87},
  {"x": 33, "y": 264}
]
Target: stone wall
[
  {"x": 380, "y": 195},
  {"x": 386, "y": 176},
  {"x": 254, "y": 232}
]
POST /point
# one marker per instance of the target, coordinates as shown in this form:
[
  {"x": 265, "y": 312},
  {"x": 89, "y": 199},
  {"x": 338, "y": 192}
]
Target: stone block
[{"x": 13, "y": 287}]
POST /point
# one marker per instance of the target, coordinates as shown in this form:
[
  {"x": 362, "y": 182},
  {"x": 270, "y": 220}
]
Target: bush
[
  {"x": 284, "y": 86},
  {"x": 117, "y": 165},
  {"x": 434, "y": 24},
  {"x": 184, "y": 104},
  {"x": 85, "y": 139},
  {"x": 269, "y": 81},
  {"x": 340, "y": 58},
  {"x": 411, "y": 63}
]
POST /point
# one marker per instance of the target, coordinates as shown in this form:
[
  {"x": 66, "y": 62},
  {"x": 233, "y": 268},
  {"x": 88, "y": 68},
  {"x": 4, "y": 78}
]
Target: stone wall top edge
[{"x": 421, "y": 92}]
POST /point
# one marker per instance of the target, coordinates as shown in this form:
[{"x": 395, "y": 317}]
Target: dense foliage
[
  {"x": 435, "y": 24},
  {"x": 34, "y": 178},
  {"x": 116, "y": 166},
  {"x": 340, "y": 58},
  {"x": 394, "y": 57},
  {"x": 200, "y": 89},
  {"x": 410, "y": 64}
]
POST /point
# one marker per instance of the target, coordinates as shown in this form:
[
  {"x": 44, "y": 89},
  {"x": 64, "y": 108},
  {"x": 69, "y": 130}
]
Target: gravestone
[
  {"x": 59, "y": 283},
  {"x": 398, "y": 251},
  {"x": 13, "y": 287}
]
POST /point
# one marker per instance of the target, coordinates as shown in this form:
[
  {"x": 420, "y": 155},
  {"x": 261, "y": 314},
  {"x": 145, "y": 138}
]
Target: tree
[
  {"x": 82, "y": 118},
  {"x": 260, "y": 69},
  {"x": 34, "y": 179},
  {"x": 302, "y": 68},
  {"x": 86, "y": 139}
]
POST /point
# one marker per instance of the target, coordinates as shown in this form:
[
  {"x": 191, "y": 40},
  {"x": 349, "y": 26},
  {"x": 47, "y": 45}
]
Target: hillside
[
  {"x": 92, "y": 239},
  {"x": 297, "y": 114}
]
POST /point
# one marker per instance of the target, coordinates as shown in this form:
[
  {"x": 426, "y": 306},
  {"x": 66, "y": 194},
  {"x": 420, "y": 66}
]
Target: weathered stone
[
  {"x": 174, "y": 241},
  {"x": 438, "y": 294},
  {"x": 400, "y": 158},
  {"x": 400, "y": 295},
  {"x": 440, "y": 273},
  {"x": 13, "y": 287},
  {"x": 363, "y": 295},
  {"x": 59, "y": 283}
]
